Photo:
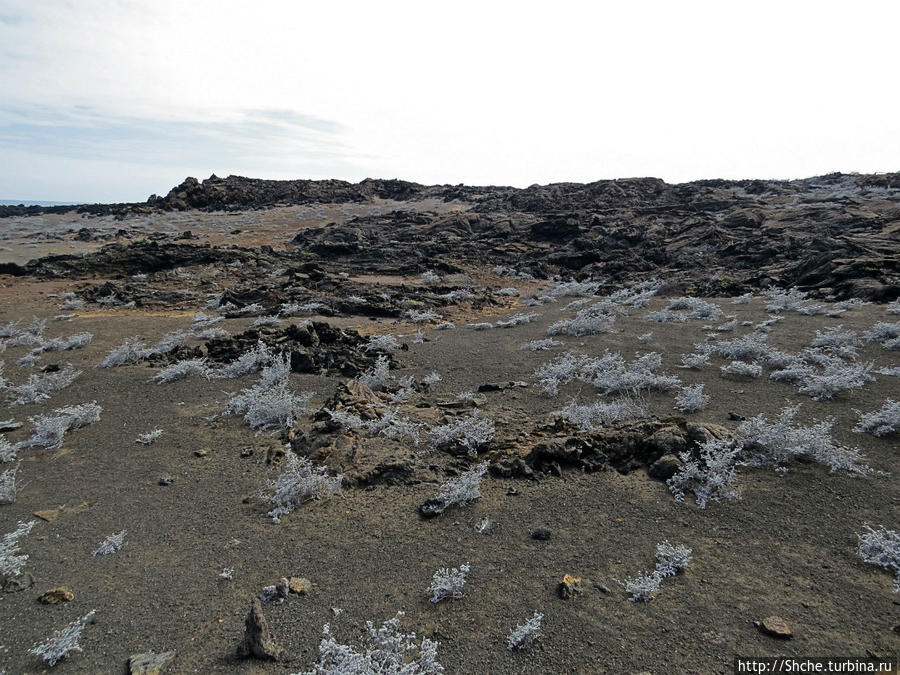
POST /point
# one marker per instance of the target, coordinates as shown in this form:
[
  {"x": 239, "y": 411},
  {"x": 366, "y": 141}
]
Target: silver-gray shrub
[
  {"x": 518, "y": 320},
  {"x": 182, "y": 369},
  {"x": 170, "y": 341},
  {"x": 8, "y": 451},
  {"x": 749, "y": 347},
  {"x": 376, "y": 377},
  {"x": 382, "y": 343},
  {"x": 149, "y": 437},
  {"x": 39, "y": 387},
  {"x": 50, "y": 429},
  {"x": 422, "y": 316},
  {"x": 691, "y": 398},
  {"x": 610, "y": 373},
  {"x": 76, "y": 341},
  {"x": 11, "y": 561},
  {"x": 888, "y": 334},
  {"x": 695, "y": 361},
  {"x": 464, "y": 489},
  {"x": 267, "y": 320},
  {"x": 8, "y": 488},
  {"x": 203, "y": 320},
  {"x": 881, "y": 422},
  {"x": 742, "y": 299},
  {"x": 471, "y": 433},
  {"x": 447, "y": 583},
  {"x": 111, "y": 544},
  {"x": 387, "y": 651},
  {"x": 391, "y": 425},
  {"x": 253, "y": 360},
  {"x": 781, "y": 300},
  {"x": 525, "y": 634},
  {"x": 581, "y": 326},
  {"x": 711, "y": 477},
  {"x": 573, "y": 289},
  {"x": 686, "y": 308},
  {"x": 742, "y": 369},
  {"x": 881, "y": 547},
  {"x": 835, "y": 338},
  {"x": 299, "y": 483},
  {"x": 130, "y": 351},
  {"x": 780, "y": 441},
  {"x": 62, "y": 642},
  {"x": 541, "y": 345},
  {"x": 893, "y": 307},
  {"x": 270, "y": 403},
  {"x": 670, "y": 560},
  {"x": 589, "y": 417}
]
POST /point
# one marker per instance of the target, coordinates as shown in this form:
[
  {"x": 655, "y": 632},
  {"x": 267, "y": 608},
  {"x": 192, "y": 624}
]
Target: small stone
[
  {"x": 149, "y": 663},
  {"x": 776, "y": 627},
  {"x": 569, "y": 587},
  {"x": 736, "y": 417},
  {"x": 603, "y": 588},
  {"x": 166, "y": 480},
  {"x": 665, "y": 467},
  {"x": 202, "y": 452},
  {"x": 258, "y": 642},
  {"x": 541, "y": 534},
  {"x": 299, "y": 585},
  {"x": 511, "y": 491},
  {"x": 49, "y": 515},
  {"x": 56, "y": 596},
  {"x": 246, "y": 452},
  {"x": 16, "y": 584},
  {"x": 432, "y": 508}
]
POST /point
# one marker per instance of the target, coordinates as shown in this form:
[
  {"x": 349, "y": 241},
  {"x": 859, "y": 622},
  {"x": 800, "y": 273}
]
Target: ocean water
[{"x": 29, "y": 202}]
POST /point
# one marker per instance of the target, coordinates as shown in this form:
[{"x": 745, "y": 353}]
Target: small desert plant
[
  {"x": 431, "y": 379},
  {"x": 463, "y": 489},
  {"x": 111, "y": 544},
  {"x": 448, "y": 583},
  {"x": 50, "y": 429},
  {"x": 589, "y": 417},
  {"x": 182, "y": 369},
  {"x": 711, "y": 476},
  {"x": 8, "y": 451},
  {"x": 382, "y": 343},
  {"x": 38, "y": 388},
  {"x": 149, "y": 437},
  {"x": 269, "y": 403},
  {"x": 525, "y": 634},
  {"x": 742, "y": 299},
  {"x": 423, "y": 316},
  {"x": 170, "y": 341},
  {"x": 62, "y": 642},
  {"x": 541, "y": 345},
  {"x": 378, "y": 375},
  {"x": 202, "y": 320},
  {"x": 883, "y": 332},
  {"x": 881, "y": 422},
  {"x": 882, "y": 547},
  {"x": 251, "y": 361},
  {"x": 670, "y": 560},
  {"x": 268, "y": 320},
  {"x": 471, "y": 433},
  {"x": 8, "y": 485},
  {"x": 581, "y": 326},
  {"x": 694, "y": 361},
  {"x": 691, "y": 399},
  {"x": 299, "y": 483},
  {"x": 388, "y": 650},
  {"x": 518, "y": 320},
  {"x": 742, "y": 369},
  {"x": 480, "y": 325},
  {"x": 11, "y": 562},
  {"x": 130, "y": 351},
  {"x": 779, "y": 442}
]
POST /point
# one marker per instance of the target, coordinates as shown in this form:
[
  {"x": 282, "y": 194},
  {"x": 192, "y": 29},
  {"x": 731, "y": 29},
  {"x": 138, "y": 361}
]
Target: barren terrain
[{"x": 464, "y": 279}]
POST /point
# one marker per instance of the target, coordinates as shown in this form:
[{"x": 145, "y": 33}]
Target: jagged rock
[
  {"x": 541, "y": 534},
  {"x": 664, "y": 468},
  {"x": 299, "y": 585},
  {"x": 569, "y": 587},
  {"x": 149, "y": 663},
  {"x": 776, "y": 627},
  {"x": 258, "y": 642},
  {"x": 56, "y": 596}
]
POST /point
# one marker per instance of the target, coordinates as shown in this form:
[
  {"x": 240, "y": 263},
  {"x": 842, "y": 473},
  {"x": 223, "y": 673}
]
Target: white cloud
[{"x": 511, "y": 93}]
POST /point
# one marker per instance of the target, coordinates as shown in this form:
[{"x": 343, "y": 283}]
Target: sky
[{"x": 112, "y": 100}]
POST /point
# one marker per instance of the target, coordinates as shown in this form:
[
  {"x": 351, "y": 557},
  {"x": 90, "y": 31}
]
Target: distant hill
[{"x": 31, "y": 202}]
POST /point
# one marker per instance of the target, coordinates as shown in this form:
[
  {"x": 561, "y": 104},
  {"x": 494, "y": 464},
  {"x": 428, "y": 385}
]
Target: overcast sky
[{"x": 112, "y": 100}]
